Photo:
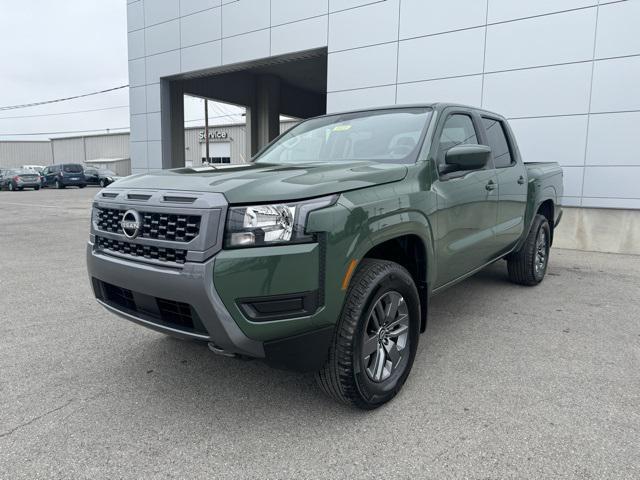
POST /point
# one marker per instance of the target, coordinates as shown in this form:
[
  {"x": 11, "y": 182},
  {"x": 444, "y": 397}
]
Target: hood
[{"x": 260, "y": 182}]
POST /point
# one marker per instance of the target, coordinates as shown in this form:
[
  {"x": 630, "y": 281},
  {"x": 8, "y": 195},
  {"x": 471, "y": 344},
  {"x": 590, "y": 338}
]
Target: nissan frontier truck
[{"x": 322, "y": 253}]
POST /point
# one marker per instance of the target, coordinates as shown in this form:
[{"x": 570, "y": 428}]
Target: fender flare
[
  {"x": 400, "y": 224},
  {"x": 548, "y": 193}
]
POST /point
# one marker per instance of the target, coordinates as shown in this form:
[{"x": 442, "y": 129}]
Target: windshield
[
  {"x": 71, "y": 168},
  {"x": 391, "y": 136}
]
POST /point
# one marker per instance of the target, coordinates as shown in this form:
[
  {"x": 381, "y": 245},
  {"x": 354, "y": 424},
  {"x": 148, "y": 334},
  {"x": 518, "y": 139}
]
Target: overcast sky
[{"x": 51, "y": 49}]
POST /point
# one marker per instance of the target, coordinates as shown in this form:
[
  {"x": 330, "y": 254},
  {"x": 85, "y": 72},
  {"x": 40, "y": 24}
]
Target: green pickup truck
[{"x": 322, "y": 253}]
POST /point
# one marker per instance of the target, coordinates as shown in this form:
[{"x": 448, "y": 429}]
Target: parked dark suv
[
  {"x": 99, "y": 176},
  {"x": 64, "y": 175}
]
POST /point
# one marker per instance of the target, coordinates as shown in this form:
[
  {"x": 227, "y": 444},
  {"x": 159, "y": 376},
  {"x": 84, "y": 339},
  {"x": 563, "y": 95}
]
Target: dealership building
[
  {"x": 566, "y": 73},
  {"x": 111, "y": 150}
]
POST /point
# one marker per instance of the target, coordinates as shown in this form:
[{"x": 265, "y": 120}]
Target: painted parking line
[{"x": 29, "y": 205}]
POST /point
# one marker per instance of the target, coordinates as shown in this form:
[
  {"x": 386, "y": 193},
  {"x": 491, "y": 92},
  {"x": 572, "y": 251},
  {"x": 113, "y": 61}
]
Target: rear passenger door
[
  {"x": 466, "y": 202},
  {"x": 45, "y": 175},
  {"x": 512, "y": 183}
]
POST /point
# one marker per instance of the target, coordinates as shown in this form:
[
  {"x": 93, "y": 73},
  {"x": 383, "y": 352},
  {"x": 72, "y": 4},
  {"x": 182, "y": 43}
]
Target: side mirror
[{"x": 466, "y": 157}]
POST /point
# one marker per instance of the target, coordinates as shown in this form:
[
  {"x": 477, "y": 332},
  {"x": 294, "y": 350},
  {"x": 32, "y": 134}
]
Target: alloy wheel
[
  {"x": 386, "y": 336},
  {"x": 540, "y": 261}
]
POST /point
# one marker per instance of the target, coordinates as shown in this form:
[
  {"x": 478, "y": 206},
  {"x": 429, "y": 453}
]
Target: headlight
[{"x": 274, "y": 224}]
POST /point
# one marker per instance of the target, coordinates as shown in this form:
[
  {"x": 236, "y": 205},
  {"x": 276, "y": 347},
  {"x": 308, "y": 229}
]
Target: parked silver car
[{"x": 19, "y": 179}]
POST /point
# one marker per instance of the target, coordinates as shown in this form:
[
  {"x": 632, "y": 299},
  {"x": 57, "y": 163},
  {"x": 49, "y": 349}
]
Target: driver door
[{"x": 467, "y": 203}]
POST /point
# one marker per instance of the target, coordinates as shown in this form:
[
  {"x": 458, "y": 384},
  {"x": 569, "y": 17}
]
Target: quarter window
[
  {"x": 498, "y": 142},
  {"x": 457, "y": 130}
]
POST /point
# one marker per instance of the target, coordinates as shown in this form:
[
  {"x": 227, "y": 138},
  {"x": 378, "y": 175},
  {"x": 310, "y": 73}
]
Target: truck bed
[{"x": 544, "y": 170}]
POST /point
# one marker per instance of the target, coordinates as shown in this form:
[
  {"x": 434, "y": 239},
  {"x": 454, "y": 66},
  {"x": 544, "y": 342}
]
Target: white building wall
[
  {"x": 107, "y": 146},
  {"x": 566, "y": 72},
  {"x": 68, "y": 150},
  {"x": 15, "y": 153}
]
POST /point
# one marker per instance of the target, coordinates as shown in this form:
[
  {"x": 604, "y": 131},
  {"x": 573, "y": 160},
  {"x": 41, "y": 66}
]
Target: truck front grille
[
  {"x": 145, "y": 251},
  {"x": 159, "y": 226},
  {"x": 162, "y": 311},
  {"x": 178, "y": 313},
  {"x": 119, "y": 296}
]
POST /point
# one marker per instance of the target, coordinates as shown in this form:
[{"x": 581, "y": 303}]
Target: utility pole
[{"x": 206, "y": 127}]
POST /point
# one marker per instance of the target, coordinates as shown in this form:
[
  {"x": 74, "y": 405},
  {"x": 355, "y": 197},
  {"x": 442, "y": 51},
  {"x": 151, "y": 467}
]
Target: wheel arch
[
  {"x": 411, "y": 247},
  {"x": 547, "y": 210}
]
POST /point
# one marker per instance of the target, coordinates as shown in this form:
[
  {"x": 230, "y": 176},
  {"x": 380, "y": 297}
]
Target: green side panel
[{"x": 256, "y": 272}]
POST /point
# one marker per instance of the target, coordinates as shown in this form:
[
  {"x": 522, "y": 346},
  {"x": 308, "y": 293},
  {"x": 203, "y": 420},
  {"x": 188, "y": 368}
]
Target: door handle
[
  {"x": 521, "y": 180},
  {"x": 491, "y": 185}
]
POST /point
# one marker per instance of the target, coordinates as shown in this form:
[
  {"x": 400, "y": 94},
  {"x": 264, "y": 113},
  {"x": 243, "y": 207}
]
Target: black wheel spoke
[
  {"x": 393, "y": 353},
  {"x": 379, "y": 363},
  {"x": 399, "y": 330},
  {"x": 392, "y": 308},
  {"x": 370, "y": 345}
]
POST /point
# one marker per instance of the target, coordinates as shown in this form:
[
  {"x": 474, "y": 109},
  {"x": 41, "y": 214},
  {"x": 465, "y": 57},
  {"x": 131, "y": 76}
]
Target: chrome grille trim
[
  {"x": 195, "y": 229},
  {"x": 162, "y": 226}
]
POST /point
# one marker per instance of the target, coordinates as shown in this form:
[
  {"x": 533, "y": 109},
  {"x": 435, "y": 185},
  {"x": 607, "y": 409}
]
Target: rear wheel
[
  {"x": 36, "y": 188},
  {"x": 528, "y": 265},
  {"x": 81, "y": 186},
  {"x": 376, "y": 337}
]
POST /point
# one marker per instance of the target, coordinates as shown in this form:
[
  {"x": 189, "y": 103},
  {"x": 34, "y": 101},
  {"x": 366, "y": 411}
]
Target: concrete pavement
[{"x": 509, "y": 382}]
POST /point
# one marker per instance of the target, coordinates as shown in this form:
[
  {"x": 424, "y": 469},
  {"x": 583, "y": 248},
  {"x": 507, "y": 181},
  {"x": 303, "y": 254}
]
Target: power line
[
  {"x": 212, "y": 118},
  {"x": 61, "y": 133},
  {"x": 65, "y": 113},
  {"x": 45, "y": 102}
]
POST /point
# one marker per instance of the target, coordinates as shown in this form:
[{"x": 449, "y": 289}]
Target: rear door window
[
  {"x": 497, "y": 140},
  {"x": 72, "y": 168}
]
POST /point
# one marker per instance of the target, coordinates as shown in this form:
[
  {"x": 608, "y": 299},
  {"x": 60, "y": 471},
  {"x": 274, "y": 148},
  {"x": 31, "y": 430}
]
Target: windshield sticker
[{"x": 341, "y": 128}]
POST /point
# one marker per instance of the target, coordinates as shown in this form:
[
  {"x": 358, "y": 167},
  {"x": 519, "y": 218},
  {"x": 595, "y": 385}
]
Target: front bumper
[{"x": 191, "y": 284}]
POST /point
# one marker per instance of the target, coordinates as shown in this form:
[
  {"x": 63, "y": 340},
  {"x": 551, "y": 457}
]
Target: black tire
[
  {"x": 345, "y": 376},
  {"x": 81, "y": 186},
  {"x": 36, "y": 188},
  {"x": 526, "y": 267},
  {"x": 59, "y": 185}
]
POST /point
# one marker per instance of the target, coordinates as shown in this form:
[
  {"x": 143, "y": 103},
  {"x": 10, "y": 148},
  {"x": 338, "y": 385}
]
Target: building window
[
  {"x": 216, "y": 160},
  {"x": 219, "y": 152}
]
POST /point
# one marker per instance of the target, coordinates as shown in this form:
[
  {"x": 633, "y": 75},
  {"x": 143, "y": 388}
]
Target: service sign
[{"x": 214, "y": 135}]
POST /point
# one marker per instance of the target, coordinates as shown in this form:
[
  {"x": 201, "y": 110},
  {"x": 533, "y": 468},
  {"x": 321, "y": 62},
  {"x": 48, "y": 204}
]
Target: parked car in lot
[
  {"x": 323, "y": 252},
  {"x": 36, "y": 168},
  {"x": 99, "y": 176},
  {"x": 64, "y": 175},
  {"x": 19, "y": 179}
]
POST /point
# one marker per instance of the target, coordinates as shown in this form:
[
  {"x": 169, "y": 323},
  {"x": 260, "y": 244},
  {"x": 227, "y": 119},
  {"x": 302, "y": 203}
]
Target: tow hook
[{"x": 219, "y": 351}]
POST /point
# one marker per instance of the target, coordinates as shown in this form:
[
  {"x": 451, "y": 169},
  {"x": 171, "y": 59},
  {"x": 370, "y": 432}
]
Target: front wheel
[
  {"x": 376, "y": 337},
  {"x": 528, "y": 265},
  {"x": 59, "y": 185}
]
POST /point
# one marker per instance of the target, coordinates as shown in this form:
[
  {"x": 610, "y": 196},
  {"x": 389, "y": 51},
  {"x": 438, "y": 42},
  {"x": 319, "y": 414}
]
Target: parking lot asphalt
[{"x": 508, "y": 382}]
